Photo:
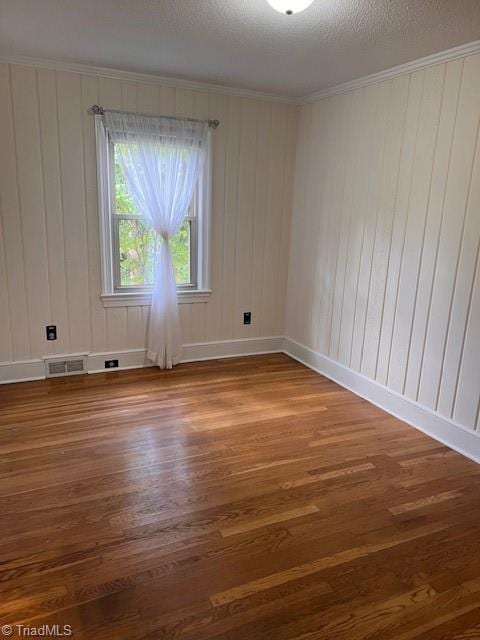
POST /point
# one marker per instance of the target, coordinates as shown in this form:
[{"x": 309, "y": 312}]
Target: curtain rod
[{"x": 100, "y": 111}]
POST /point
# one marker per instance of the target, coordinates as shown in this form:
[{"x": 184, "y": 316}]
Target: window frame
[{"x": 113, "y": 294}]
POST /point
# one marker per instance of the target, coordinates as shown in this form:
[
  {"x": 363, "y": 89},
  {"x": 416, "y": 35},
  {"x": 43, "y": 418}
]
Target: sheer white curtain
[{"x": 162, "y": 159}]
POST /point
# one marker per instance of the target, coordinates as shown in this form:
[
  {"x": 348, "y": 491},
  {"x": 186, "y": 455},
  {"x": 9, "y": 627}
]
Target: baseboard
[
  {"x": 136, "y": 358},
  {"x": 21, "y": 371},
  {"x": 446, "y": 431},
  {"x": 231, "y": 348},
  {"x": 127, "y": 359}
]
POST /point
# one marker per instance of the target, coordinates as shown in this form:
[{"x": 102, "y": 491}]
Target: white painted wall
[
  {"x": 384, "y": 271},
  {"x": 49, "y": 242}
]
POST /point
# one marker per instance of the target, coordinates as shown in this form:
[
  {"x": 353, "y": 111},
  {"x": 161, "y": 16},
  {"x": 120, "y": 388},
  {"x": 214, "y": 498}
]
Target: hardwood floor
[{"x": 239, "y": 499}]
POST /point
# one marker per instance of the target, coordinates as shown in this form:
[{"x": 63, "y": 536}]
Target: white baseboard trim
[
  {"x": 136, "y": 358},
  {"x": 446, "y": 431},
  {"x": 231, "y": 348},
  {"x": 21, "y": 371},
  {"x": 127, "y": 359}
]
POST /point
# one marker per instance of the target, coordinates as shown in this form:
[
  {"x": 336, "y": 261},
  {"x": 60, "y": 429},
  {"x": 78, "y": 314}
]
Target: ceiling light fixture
[{"x": 289, "y": 7}]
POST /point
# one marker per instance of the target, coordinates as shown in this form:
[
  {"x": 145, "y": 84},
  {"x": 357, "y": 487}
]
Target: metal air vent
[{"x": 65, "y": 366}]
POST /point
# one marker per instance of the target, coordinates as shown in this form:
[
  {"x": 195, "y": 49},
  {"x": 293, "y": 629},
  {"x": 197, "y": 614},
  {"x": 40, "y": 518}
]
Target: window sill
[{"x": 132, "y": 299}]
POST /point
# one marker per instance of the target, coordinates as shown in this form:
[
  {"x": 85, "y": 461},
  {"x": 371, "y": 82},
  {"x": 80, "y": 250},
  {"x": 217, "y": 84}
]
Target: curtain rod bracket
[{"x": 100, "y": 111}]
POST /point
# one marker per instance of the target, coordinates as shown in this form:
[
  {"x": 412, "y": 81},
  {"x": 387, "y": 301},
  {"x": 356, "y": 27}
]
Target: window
[
  {"x": 128, "y": 243},
  {"x": 134, "y": 242}
]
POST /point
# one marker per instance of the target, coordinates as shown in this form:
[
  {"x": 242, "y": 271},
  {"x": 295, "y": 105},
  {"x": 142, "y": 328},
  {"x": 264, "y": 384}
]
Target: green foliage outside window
[{"x": 136, "y": 241}]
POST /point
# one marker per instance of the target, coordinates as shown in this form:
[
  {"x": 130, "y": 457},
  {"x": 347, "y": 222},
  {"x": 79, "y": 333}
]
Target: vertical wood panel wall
[
  {"x": 384, "y": 265},
  {"x": 49, "y": 243}
]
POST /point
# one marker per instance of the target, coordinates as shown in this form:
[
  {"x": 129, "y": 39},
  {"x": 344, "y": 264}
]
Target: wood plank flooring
[{"x": 238, "y": 499}]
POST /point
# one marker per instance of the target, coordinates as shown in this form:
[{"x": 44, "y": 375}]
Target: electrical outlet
[
  {"x": 111, "y": 364},
  {"x": 247, "y": 317},
  {"x": 51, "y": 332}
]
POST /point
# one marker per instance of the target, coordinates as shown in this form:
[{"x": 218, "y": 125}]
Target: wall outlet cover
[{"x": 51, "y": 330}]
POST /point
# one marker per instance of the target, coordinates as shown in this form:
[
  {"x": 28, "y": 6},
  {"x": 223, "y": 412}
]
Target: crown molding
[
  {"x": 461, "y": 51},
  {"x": 149, "y": 78}
]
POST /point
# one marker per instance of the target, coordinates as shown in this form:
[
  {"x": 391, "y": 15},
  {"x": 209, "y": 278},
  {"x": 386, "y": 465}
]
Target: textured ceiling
[{"x": 242, "y": 43}]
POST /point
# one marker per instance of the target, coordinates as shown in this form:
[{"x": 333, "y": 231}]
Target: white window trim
[
  {"x": 144, "y": 299},
  {"x": 112, "y": 298}
]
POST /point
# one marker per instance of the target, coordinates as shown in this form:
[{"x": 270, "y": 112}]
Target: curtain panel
[{"x": 162, "y": 159}]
